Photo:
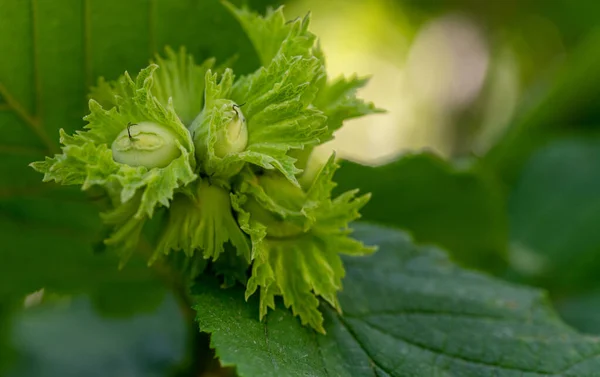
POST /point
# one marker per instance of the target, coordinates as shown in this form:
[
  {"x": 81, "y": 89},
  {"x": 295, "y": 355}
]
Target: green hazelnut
[
  {"x": 233, "y": 138},
  {"x": 145, "y": 144},
  {"x": 284, "y": 194}
]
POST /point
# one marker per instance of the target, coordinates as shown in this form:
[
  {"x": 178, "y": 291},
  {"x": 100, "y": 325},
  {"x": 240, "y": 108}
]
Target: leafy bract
[
  {"x": 181, "y": 79},
  {"x": 337, "y": 99},
  {"x": 273, "y": 36},
  {"x": 202, "y": 223},
  {"x": 135, "y": 191},
  {"x": 274, "y": 102},
  {"x": 406, "y": 309},
  {"x": 298, "y": 260},
  {"x": 178, "y": 79},
  {"x": 87, "y": 160}
]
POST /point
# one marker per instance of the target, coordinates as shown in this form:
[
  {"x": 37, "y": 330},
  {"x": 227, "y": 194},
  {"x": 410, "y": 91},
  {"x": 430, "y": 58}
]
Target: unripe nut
[
  {"x": 145, "y": 144},
  {"x": 234, "y": 138}
]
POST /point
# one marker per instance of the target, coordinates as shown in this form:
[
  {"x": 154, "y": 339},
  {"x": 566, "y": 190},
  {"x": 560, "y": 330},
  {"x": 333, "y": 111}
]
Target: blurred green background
[{"x": 489, "y": 148}]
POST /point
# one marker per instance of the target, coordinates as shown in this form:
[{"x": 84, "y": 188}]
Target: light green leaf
[
  {"x": 276, "y": 102},
  {"x": 337, "y": 99},
  {"x": 271, "y": 34},
  {"x": 459, "y": 208},
  {"x": 284, "y": 79},
  {"x": 180, "y": 78},
  {"x": 405, "y": 311}
]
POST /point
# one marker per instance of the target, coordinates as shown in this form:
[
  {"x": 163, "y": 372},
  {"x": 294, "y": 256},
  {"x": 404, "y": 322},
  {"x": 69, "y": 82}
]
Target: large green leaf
[
  {"x": 555, "y": 211},
  {"x": 53, "y": 51},
  {"x": 408, "y": 311},
  {"x": 460, "y": 209}
]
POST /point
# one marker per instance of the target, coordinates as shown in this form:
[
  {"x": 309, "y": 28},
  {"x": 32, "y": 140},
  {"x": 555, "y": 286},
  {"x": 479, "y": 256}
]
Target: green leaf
[
  {"x": 48, "y": 244},
  {"x": 6, "y": 349},
  {"x": 405, "y": 309},
  {"x": 271, "y": 34},
  {"x": 277, "y": 111},
  {"x": 180, "y": 78},
  {"x": 460, "y": 209},
  {"x": 554, "y": 210},
  {"x": 259, "y": 118},
  {"x": 580, "y": 310},
  {"x": 337, "y": 99}
]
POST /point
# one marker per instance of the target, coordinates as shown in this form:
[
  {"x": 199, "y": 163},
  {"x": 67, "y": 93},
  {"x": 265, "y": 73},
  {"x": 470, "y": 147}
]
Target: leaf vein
[
  {"x": 456, "y": 357},
  {"x": 31, "y": 121},
  {"x": 466, "y": 315},
  {"x": 320, "y": 353},
  {"x": 275, "y": 367},
  {"x": 353, "y": 334}
]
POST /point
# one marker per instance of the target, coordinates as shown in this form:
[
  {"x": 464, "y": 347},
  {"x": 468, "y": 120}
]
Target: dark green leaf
[
  {"x": 581, "y": 311},
  {"x": 408, "y": 311},
  {"x": 555, "y": 211},
  {"x": 461, "y": 210},
  {"x": 48, "y": 243}
]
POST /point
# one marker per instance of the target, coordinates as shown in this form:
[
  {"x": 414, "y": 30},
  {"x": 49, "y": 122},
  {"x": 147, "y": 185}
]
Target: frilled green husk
[
  {"x": 220, "y": 155},
  {"x": 297, "y": 238}
]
